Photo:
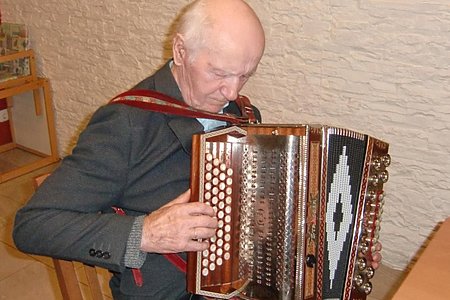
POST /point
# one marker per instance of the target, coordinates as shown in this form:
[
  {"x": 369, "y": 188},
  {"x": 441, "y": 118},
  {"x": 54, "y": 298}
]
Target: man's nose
[{"x": 230, "y": 88}]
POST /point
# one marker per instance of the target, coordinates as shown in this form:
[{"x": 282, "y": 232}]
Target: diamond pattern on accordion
[
  {"x": 217, "y": 194},
  {"x": 340, "y": 195}
]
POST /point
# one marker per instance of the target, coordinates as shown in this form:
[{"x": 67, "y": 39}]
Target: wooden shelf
[{"x": 16, "y": 86}]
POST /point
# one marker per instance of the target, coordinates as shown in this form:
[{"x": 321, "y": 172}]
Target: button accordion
[{"x": 298, "y": 209}]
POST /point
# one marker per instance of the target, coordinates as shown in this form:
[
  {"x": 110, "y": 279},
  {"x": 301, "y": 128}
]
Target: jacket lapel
[{"x": 184, "y": 128}]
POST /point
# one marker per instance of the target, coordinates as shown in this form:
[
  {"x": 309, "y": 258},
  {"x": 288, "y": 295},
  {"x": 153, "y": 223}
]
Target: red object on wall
[{"x": 5, "y": 128}]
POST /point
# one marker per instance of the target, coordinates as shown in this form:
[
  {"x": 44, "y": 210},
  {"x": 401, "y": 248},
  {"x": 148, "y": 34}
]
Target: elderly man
[{"x": 139, "y": 160}]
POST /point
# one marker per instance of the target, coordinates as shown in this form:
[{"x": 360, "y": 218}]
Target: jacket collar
[
  {"x": 165, "y": 82},
  {"x": 182, "y": 127}
]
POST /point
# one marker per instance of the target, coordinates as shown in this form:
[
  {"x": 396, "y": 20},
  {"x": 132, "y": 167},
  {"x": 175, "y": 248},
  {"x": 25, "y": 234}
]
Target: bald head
[{"x": 215, "y": 23}]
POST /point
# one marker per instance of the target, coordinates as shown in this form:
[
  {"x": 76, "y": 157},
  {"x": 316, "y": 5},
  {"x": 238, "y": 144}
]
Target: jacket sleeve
[{"x": 63, "y": 219}]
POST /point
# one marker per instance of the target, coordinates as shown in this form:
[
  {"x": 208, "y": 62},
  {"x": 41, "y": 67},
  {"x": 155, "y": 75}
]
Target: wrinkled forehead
[{"x": 228, "y": 60}]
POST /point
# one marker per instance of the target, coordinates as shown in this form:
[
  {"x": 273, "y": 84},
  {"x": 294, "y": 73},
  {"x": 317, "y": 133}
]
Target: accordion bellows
[{"x": 298, "y": 208}]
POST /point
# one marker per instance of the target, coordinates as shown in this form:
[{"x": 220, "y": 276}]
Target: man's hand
[
  {"x": 177, "y": 226},
  {"x": 376, "y": 256}
]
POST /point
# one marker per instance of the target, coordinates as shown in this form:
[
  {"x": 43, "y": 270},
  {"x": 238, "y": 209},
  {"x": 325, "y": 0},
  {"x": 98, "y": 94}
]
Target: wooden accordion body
[{"x": 298, "y": 208}]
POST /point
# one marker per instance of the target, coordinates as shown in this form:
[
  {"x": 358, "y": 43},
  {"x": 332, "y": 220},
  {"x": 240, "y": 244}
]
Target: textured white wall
[{"x": 380, "y": 67}]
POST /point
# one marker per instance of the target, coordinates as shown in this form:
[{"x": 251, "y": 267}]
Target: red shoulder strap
[
  {"x": 155, "y": 101},
  {"x": 246, "y": 109}
]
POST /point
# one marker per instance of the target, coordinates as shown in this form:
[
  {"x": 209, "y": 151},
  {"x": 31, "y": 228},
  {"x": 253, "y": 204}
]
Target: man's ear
[{"x": 178, "y": 49}]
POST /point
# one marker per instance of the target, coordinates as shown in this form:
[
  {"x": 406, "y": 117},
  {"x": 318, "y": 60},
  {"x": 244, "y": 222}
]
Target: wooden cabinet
[{"x": 11, "y": 89}]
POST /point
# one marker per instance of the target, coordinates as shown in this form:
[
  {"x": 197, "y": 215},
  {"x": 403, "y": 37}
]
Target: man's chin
[{"x": 215, "y": 108}]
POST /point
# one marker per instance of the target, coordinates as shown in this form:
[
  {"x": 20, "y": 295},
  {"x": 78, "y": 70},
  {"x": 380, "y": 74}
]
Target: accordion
[{"x": 298, "y": 209}]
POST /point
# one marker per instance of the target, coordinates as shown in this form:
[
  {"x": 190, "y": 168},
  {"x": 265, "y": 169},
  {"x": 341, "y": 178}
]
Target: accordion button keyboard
[{"x": 217, "y": 191}]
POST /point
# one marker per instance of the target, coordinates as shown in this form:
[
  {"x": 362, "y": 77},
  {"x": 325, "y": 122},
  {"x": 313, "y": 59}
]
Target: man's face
[{"x": 209, "y": 79}]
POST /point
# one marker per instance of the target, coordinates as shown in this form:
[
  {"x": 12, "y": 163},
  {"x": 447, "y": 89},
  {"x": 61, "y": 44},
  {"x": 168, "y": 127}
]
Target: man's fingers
[
  {"x": 198, "y": 208},
  {"x": 202, "y": 221},
  {"x": 375, "y": 265},
  {"x": 202, "y": 233},
  {"x": 378, "y": 247},
  {"x": 194, "y": 245},
  {"x": 376, "y": 257},
  {"x": 190, "y": 208}
]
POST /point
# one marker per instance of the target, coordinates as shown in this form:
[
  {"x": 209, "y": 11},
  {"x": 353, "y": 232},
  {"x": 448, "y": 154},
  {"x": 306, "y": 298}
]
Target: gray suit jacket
[{"x": 127, "y": 157}]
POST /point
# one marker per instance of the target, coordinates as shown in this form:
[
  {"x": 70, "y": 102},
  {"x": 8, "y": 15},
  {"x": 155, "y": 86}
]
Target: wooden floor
[
  {"x": 16, "y": 158},
  {"x": 31, "y": 277}
]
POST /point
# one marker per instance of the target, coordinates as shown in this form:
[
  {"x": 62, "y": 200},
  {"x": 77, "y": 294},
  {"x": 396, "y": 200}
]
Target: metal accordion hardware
[{"x": 298, "y": 209}]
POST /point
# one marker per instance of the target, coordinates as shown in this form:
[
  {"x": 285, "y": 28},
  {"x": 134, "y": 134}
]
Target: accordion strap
[{"x": 155, "y": 101}]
